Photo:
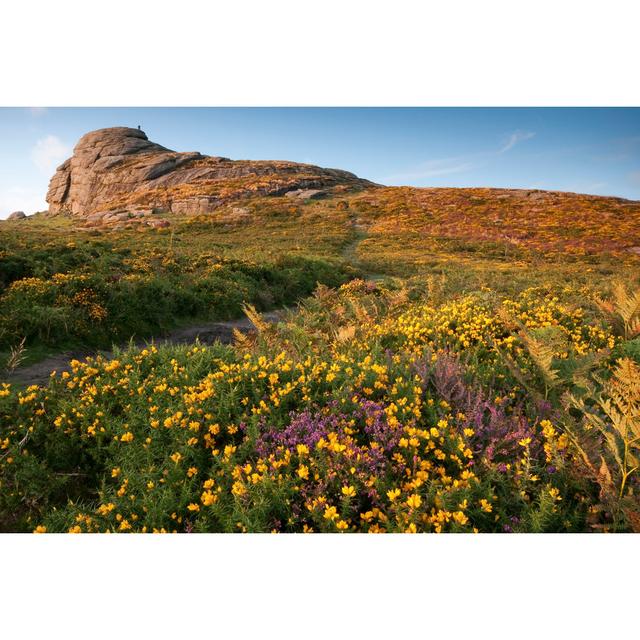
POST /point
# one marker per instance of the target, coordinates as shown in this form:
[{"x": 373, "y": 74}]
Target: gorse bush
[
  {"x": 364, "y": 411},
  {"x": 98, "y": 308},
  {"x": 484, "y": 379}
]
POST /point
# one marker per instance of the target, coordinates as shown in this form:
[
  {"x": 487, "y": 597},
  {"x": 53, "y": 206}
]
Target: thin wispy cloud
[
  {"x": 458, "y": 164},
  {"x": 37, "y": 112},
  {"x": 437, "y": 170},
  {"x": 49, "y": 152},
  {"x": 515, "y": 138},
  {"x": 590, "y": 187},
  {"x": 433, "y": 168}
]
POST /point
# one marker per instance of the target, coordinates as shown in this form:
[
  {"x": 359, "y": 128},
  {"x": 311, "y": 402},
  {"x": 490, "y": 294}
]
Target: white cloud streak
[
  {"x": 49, "y": 152},
  {"x": 515, "y": 138},
  {"x": 433, "y": 168},
  {"x": 36, "y": 112},
  {"x": 458, "y": 164}
]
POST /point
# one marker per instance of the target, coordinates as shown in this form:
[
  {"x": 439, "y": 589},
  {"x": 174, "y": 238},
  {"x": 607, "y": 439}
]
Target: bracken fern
[
  {"x": 616, "y": 414},
  {"x": 623, "y": 311}
]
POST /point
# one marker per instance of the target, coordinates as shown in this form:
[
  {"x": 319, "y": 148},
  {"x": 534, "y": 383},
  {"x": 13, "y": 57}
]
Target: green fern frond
[
  {"x": 542, "y": 356},
  {"x": 582, "y": 374}
]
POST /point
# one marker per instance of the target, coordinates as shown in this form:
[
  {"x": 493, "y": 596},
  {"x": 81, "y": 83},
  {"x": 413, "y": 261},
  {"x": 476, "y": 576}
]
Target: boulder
[
  {"x": 17, "y": 215},
  {"x": 306, "y": 194},
  {"x": 195, "y": 205},
  {"x": 120, "y": 216},
  {"x": 159, "y": 223},
  {"x": 121, "y": 169},
  {"x": 237, "y": 216}
]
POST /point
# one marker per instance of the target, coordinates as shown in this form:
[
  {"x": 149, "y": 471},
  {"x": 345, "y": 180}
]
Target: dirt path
[
  {"x": 208, "y": 333},
  {"x": 350, "y": 251},
  {"x": 39, "y": 372}
]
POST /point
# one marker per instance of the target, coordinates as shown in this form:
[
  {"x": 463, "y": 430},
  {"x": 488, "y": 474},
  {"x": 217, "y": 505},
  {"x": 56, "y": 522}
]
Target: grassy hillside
[
  {"x": 470, "y": 361},
  {"x": 62, "y": 284}
]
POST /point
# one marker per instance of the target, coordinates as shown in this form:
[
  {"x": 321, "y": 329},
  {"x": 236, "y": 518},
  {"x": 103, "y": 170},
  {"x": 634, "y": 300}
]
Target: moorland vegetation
[{"x": 452, "y": 360}]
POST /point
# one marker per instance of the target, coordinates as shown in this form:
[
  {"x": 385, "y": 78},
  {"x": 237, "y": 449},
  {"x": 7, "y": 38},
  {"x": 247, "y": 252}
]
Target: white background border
[
  {"x": 482, "y": 53},
  {"x": 334, "y": 52}
]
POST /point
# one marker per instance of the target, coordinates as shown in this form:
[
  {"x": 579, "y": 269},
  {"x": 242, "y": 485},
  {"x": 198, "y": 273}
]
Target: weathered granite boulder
[
  {"x": 120, "y": 169},
  {"x": 158, "y": 223},
  {"x": 17, "y": 215},
  {"x": 306, "y": 194}
]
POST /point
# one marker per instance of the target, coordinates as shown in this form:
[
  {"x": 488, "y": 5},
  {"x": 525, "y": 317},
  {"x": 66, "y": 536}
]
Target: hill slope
[
  {"x": 459, "y": 360},
  {"x": 117, "y": 177},
  {"x": 234, "y": 231}
]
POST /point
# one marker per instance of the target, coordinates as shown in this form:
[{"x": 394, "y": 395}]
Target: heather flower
[{"x": 496, "y": 432}]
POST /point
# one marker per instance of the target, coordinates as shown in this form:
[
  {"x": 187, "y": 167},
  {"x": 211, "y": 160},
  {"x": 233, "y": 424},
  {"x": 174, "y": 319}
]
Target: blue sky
[{"x": 589, "y": 150}]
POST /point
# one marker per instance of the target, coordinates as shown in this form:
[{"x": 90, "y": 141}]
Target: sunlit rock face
[{"x": 120, "y": 169}]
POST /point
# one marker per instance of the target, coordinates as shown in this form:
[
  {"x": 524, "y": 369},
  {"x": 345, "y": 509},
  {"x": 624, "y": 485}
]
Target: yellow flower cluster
[{"x": 346, "y": 438}]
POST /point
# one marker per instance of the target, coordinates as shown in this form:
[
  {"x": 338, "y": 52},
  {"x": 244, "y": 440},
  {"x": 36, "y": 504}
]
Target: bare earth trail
[
  {"x": 208, "y": 333},
  {"x": 350, "y": 251}
]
